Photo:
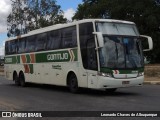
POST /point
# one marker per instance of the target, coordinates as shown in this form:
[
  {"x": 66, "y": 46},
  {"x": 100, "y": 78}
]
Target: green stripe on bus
[
  {"x": 31, "y": 68},
  {"x": 12, "y": 60},
  {"x": 75, "y": 54},
  {"x": 18, "y": 59},
  {"x": 28, "y": 60},
  {"x": 60, "y": 56},
  {"x": 57, "y": 56},
  {"x": 107, "y": 70}
]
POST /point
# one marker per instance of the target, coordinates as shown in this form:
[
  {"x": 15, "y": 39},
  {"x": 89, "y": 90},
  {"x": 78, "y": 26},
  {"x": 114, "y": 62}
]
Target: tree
[
  {"x": 15, "y": 19},
  {"x": 146, "y": 15},
  {"x": 45, "y": 12},
  {"x": 29, "y": 15}
]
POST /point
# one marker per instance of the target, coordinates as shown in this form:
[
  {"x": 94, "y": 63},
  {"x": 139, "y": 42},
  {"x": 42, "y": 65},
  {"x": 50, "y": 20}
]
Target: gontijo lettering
[{"x": 63, "y": 56}]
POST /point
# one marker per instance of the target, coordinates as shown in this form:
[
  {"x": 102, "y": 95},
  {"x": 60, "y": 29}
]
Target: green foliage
[
  {"x": 33, "y": 14},
  {"x": 145, "y": 13},
  {"x": 45, "y": 13}
]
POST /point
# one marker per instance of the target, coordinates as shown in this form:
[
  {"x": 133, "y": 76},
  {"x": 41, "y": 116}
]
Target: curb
[{"x": 151, "y": 83}]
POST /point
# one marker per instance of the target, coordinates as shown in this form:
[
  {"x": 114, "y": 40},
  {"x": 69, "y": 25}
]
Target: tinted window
[
  {"x": 54, "y": 40},
  {"x": 87, "y": 44},
  {"x": 57, "y": 39},
  {"x": 30, "y": 44},
  {"x": 22, "y": 45},
  {"x": 41, "y": 41},
  {"x": 69, "y": 37},
  {"x": 11, "y": 47},
  {"x": 6, "y": 48}
]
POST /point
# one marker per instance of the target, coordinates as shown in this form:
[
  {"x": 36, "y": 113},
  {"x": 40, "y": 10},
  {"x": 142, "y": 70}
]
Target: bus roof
[{"x": 59, "y": 26}]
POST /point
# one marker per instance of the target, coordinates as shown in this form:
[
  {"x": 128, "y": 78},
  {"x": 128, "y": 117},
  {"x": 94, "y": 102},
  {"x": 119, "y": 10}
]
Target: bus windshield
[
  {"x": 113, "y": 28},
  {"x": 121, "y": 52},
  {"x": 122, "y": 47}
]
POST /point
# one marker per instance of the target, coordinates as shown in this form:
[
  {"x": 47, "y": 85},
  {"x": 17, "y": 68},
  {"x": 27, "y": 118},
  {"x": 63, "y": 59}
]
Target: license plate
[{"x": 125, "y": 82}]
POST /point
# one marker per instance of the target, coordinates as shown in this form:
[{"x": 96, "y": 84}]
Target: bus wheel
[
  {"x": 111, "y": 90},
  {"x": 73, "y": 84},
  {"x": 16, "y": 79},
  {"x": 22, "y": 79}
]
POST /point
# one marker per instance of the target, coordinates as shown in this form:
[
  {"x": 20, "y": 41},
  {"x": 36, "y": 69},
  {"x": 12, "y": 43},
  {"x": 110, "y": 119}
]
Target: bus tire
[
  {"x": 111, "y": 90},
  {"x": 16, "y": 79},
  {"x": 73, "y": 83},
  {"x": 22, "y": 79}
]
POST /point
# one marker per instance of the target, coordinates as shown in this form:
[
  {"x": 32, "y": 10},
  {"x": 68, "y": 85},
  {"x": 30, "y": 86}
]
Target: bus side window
[
  {"x": 30, "y": 44},
  {"x": 54, "y": 40},
  {"x": 41, "y": 41},
  {"x": 6, "y": 48},
  {"x": 87, "y": 46},
  {"x": 22, "y": 45},
  {"x": 69, "y": 37},
  {"x": 74, "y": 38},
  {"x": 12, "y": 47},
  {"x": 49, "y": 41},
  {"x": 9, "y": 47}
]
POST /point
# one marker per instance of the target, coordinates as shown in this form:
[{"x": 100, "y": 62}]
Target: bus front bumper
[{"x": 106, "y": 82}]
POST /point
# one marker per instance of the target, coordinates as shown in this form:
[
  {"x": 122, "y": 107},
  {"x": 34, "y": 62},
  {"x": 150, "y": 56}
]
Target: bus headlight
[
  {"x": 140, "y": 74},
  {"x": 105, "y": 74}
]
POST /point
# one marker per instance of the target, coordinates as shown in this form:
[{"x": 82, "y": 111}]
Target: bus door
[
  {"x": 92, "y": 64},
  {"x": 88, "y": 53}
]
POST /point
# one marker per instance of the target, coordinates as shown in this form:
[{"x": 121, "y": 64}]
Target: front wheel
[{"x": 73, "y": 83}]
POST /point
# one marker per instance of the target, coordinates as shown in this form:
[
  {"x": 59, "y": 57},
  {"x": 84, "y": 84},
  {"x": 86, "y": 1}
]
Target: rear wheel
[
  {"x": 16, "y": 79},
  {"x": 22, "y": 79},
  {"x": 73, "y": 83}
]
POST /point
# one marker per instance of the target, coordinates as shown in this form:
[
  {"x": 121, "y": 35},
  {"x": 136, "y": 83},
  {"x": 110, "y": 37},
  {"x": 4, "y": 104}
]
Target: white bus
[{"x": 92, "y": 53}]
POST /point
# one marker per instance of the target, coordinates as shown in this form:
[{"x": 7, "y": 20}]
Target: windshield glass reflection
[{"x": 121, "y": 52}]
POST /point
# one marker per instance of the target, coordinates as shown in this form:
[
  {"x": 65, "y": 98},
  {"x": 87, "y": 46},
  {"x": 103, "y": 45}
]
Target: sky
[{"x": 68, "y": 6}]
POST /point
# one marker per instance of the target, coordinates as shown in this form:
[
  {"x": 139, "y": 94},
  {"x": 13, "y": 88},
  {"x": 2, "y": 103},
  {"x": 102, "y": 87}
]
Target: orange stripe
[
  {"x": 23, "y": 57},
  {"x": 32, "y": 56},
  {"x": 27, "y": 69}
]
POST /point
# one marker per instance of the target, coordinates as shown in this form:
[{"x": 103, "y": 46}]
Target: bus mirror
[
  {"x": 99, "y": 38},
  {"x": 146, "y": 45}
]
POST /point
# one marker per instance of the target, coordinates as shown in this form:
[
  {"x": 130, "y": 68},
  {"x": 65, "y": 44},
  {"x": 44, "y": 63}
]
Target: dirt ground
[
  {"x": 152, "y": 72},
  {"x": 146, "y": 78}
]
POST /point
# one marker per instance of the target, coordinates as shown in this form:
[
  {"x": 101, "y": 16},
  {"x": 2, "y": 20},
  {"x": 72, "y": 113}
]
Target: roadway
[{"x": 52, "y": 98}]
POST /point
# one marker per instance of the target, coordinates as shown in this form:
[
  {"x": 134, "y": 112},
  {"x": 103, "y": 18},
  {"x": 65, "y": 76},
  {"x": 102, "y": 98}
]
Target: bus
[{"x": 102, "y": 54}]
